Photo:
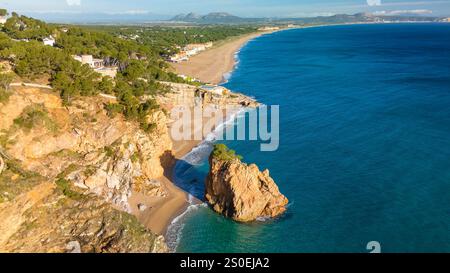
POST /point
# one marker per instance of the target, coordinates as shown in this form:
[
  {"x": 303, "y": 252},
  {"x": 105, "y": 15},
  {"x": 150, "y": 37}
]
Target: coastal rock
[
  {"x": 87, "y": 165},
  {"x": 240, "y": 191},
  {"x": 73, "y": 247},
  {"x": 44, "y": 219},
  {"x": 107, "y": 156}
]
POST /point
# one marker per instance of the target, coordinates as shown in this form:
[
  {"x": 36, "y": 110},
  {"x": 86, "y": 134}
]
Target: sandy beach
[
  {"x": 162, "y": 210},
  {"x": 211, "y": 65}
]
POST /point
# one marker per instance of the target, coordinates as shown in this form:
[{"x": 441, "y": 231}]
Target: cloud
[
  {"x": 374, "y": 3},
  {"x": 308, "y": 14},
  {"x": 73, "y": 2},
  {"x": 403, "y": 12}
]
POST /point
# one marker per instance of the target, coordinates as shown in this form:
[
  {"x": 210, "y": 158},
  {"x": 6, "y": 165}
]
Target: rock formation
[
  {"x": 47, "y": 219},
  {"x": 70, "y": 171},
  {"x": 240, "y": 191}
]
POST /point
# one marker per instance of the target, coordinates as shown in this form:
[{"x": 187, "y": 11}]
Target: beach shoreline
[
  {"x": 212, "y": 65},
  {"x": 162, "y": 211}
]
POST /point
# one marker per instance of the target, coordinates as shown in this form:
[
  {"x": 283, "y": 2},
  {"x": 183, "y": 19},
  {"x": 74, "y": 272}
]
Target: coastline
[
  {"x": 213, "y": 64},
  {"x": 163, "y": 212},
  {"x": 210, "y": 66}
]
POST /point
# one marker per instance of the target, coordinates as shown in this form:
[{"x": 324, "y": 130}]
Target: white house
[
  {"x": 194, "y": 49},
  {"x": 50, "y": 41},
  {"x": 97, "y": 64},
  {"x": 3, "y": 19},
  {"x": 90, "y": 60},
  {"x": 267, "y": 28},
  {"x": 179, "y": 57}
]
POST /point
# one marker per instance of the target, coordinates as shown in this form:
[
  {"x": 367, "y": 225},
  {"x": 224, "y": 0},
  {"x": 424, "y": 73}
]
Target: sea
[{"x": 364, "y": 154}]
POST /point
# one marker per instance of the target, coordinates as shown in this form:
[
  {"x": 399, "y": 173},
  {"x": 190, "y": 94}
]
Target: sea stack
[{"x": 240, "y": 191}]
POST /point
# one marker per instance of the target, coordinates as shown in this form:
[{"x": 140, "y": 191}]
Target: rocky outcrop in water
[{"x": 240, "y": 191}]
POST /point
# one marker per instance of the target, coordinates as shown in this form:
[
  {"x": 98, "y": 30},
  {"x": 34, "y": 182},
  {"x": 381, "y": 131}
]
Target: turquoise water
[{"x": 364, "y": 145}]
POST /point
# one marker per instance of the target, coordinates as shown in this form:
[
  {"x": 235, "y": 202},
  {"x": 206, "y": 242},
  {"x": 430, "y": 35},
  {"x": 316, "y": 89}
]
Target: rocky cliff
[
  {"x": 66, "y": 173},
  {"x": 240, "y": 191}
]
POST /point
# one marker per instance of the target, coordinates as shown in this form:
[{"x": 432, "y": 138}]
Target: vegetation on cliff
[
  {"x": 34, "y": 116},
  {"x": 223, "y": 153},
  {"x": 5, "y": 81}
]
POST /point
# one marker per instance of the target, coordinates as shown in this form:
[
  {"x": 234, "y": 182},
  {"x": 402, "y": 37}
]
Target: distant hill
[
  {"x": 210, "y": 18},
  {"x": 226, "y": 18},
  {"x": 218, "y": 18}
]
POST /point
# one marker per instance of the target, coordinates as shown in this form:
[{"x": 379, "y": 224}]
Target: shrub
[
  {"x": 64, "y": 186},
  {"x": 5, "y": 81},
  {"x": 148, "y": 127},
  {"x": 33, "y": 116},
  {"x": 113, "y": 109},
  {"x": 222, "y": 152},
  {"x": 4, "y": 95}
]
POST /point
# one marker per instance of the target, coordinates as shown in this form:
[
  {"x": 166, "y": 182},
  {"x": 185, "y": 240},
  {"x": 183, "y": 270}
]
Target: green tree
[
  {"x": 106, "y": 85},
  {"x": 5, "y": 81},
  {"x": 222, "y": 152}
]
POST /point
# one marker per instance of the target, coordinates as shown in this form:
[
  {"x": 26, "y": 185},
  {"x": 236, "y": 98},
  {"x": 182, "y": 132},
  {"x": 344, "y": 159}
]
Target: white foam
[
  {"x": 263, "y": 218},
  {"x": 195, "y": 157},
  {"x": 173, "y": 234}
]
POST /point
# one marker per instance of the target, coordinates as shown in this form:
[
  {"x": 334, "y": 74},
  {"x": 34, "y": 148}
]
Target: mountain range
[
  {"x": 226, "y": 18},
  {"x": 216, "y": 18}
]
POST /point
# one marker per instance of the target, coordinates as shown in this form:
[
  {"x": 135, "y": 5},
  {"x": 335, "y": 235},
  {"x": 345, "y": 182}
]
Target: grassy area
[
  {"x": 15, "y": 181},
  {"x": 64, "y": 186},
  {"x": 35, "y": 116},
  {"x": 222, "y": 152},
  {"x": 4, "y": 95}
]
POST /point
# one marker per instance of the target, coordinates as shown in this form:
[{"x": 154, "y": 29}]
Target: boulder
[{"x": 240, "y": 191}]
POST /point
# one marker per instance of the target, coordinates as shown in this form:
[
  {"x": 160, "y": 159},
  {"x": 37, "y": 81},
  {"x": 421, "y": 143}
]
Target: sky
[{"x": 243, "y": 8}]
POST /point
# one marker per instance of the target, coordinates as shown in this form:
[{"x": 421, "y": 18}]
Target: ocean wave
[{"x": 173, "y": 234}]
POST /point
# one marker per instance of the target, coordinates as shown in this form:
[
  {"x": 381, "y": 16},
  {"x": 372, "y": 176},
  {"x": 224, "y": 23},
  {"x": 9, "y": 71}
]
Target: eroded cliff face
[
  {"x": 45, "y": 219},
  {"x": 88, "y": 162},
  {"x": 242, "y": 192}
]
